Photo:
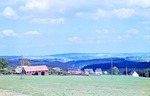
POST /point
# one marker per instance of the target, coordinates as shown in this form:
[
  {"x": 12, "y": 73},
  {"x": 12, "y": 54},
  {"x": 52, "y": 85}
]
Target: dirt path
[{"x": 10, "y": 93}]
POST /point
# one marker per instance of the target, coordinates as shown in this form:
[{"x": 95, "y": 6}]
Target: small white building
[
  {"x": 98, "y": 71},
  {"x": 88, "y": 71},
  {"x": 19, "y": 69},
  {"x": 105, "y": 73},
  {"x": 134, "y": 74}
]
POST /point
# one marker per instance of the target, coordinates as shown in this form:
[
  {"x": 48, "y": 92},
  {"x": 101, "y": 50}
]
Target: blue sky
[{"x": 43, "y": 27}]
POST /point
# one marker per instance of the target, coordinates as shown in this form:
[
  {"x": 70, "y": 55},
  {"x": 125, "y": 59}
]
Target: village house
[
  {"x": 98, "y": 71},
  {"x": 74, "y": 71},
  {"x": 88, "y": 71},
  {"x": 36, "y": 70},
  {"x": 134, "y": 74}
]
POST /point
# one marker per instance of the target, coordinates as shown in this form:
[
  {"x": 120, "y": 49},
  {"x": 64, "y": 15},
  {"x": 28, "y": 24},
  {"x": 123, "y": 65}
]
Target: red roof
[{"x": 36, "y": 68}]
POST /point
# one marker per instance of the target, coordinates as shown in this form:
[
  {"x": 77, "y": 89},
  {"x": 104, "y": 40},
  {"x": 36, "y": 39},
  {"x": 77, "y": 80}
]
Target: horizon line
[{"x": 82, "y": 53}]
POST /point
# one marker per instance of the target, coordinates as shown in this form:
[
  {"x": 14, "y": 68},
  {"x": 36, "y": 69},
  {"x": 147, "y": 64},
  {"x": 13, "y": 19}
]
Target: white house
[
  {"x": 88, "y": 71},
  {"x": 134, "y": 74},
  {"x": 98, "y": 71}
]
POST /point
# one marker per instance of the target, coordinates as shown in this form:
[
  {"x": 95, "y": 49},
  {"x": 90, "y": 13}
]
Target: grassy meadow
[{"x": 74, "y": 86}]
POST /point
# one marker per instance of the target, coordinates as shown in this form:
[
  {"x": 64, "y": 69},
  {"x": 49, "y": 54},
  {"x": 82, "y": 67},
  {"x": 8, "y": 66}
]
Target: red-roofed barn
[{"x": 36, "y": 70}]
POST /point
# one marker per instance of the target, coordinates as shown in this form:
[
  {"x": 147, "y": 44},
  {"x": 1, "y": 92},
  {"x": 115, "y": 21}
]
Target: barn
[{"x": 36, "y": 70}]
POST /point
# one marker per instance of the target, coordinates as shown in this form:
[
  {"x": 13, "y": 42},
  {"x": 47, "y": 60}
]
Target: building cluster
[{"x": 43, "y": 70}]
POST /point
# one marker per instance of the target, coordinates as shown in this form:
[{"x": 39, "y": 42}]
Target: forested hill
[{"x": 86, "y": 60}]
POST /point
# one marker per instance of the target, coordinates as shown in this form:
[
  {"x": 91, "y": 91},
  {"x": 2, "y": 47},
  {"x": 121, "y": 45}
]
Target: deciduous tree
[
  {"x": 24, "y": 62},
  {"x": 147, "y": 72},
  {"x": 115, "y": 70},
  {"x": 3, "y": 63}
]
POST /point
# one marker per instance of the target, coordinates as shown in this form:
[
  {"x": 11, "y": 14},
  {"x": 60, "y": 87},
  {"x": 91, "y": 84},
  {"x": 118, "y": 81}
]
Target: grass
[{"x": 76, "y": 85}]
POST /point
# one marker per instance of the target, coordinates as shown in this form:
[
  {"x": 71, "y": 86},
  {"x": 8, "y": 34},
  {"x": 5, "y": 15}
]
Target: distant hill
[
  {"x": 120, "y": 63},
  {"x": 86, "y": 60},
  {"x": 105, "y": 63}
]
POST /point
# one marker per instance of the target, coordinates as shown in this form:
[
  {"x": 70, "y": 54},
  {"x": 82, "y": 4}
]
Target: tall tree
[
  {"x": 24, "y": 62},
  {"x": 3, "y": 63},
  {"x": 115, "y": 70},
  {"x": 147, "y": 72}
]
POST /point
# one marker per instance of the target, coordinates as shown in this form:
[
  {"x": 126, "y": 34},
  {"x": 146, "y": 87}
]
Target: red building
[{"x": 36, "y": 70}]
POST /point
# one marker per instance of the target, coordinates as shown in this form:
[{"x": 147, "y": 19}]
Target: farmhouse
[{"x": 36, "y": 70}]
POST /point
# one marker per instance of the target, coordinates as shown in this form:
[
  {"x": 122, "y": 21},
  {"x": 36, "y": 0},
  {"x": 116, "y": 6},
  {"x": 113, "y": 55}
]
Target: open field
[
  {"x": 10, "y": 93},
  {"x": 74, "y": 86}
]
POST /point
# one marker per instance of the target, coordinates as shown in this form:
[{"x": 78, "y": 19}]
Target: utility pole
[
  {"x": 111, "y": 69},
  {"x": 126, "y": 70},
  {"x": 126, "y": 66},
  {"x": 22, "y": 62}
]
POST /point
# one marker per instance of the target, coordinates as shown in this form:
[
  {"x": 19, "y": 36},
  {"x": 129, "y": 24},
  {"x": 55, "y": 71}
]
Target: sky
[{"x": 45, "y": 27}]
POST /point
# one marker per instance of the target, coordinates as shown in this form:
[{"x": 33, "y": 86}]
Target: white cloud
[
  {"x": 61, "y": 10},
  {"x": 100, "y": 14},
  {"x": 9, "y": 33},
  {"x": 48, "y": 20},
  {"x": 129, "y": 34},
  {"x": 116, "y": 8},
  {"x": 10, "y": 13},
  {"x": 123, "y": 13},
  {"x": 124, "y": 37},
  {"x": 144, "y": 13},
  {"x": 103, "y": 31},
  {"x": 50, "y": 5},
  {"x": 79, "y": 14},
  {"x": 105, "y": 36},
  {"x": 74, "y": 39},
  {"x": 32, "y": 33},
  {"x": 133, "y": 31},
  {"x": 125, "y": 3},
  {"x": 39, "y": 5},
  {"x": 139, "y": 3},
  {"x": 147, "y": 37}
]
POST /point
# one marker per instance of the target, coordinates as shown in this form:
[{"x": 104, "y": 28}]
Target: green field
[{"x": 74, "y": 86}]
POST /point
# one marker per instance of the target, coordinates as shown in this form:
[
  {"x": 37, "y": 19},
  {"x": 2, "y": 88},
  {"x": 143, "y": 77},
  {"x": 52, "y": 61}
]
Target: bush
[
  {"x": 147, "y": 72},
  {"x": 115, "y": 70},
  {"x": 56, "y": 72},
  {"x": 5, "y": 71},
  {"x": 3, "y": 63}
]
